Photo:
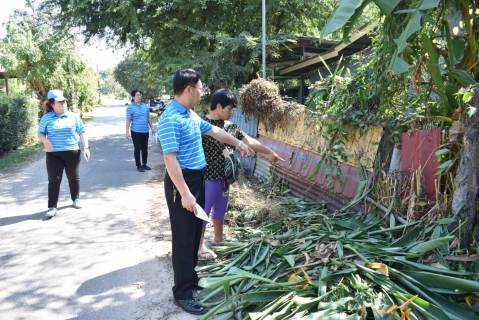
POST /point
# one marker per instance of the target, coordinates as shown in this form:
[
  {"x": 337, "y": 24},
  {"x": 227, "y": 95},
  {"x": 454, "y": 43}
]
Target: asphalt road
[{"x": 107, "y": 260}]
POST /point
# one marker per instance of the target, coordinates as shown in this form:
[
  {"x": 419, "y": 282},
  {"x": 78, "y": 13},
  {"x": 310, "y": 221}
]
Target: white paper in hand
[
  {"x": 201, "y": 213},
  {"x": 153, "y": 137}
]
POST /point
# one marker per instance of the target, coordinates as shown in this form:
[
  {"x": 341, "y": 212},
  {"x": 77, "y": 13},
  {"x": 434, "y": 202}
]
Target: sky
[{"x": 98, "y": 55}]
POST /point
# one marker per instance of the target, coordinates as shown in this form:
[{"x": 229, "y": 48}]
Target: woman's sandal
[{"x": 206, "y": 254}]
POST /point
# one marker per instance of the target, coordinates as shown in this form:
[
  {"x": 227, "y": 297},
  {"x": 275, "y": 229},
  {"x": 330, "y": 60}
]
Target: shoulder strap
[{"x": 226, "y": 153}]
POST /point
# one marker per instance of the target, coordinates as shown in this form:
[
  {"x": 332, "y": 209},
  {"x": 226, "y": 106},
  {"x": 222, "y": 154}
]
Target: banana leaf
[
  {"x": 453, "y": 310},
  {"x": 341, "y": 14},
  {"x": 352, "y": 224},
  {"x": 432, "y": 280},
  {"x": 424, "y": 267},
  {"x": 274, "y": 306},
  {"x": 430, "y": 245},
  {"x": 265, "y": 296},
  {"x": 428, "y": 310},
  {"x": 386, "y": 6}
]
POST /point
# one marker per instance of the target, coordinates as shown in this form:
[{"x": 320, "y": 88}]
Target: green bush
[{"x": 18, "y": 121}]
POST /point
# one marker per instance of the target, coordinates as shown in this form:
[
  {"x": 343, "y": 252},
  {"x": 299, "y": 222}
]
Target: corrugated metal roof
[
  {"x": 249, "y": 126},
  {"x": 263, "y": 168},
  {"x": 247, "y": 163},
  {"x": 302, "y": 188},
  {"x": 301, "y": 163}
]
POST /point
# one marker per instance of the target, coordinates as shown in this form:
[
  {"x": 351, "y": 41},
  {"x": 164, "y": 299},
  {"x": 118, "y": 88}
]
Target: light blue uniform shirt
[
  {"x": 180, "y": 130},
  {"x": 62, "y": 131},
  {"x": 139, "y": 117}
]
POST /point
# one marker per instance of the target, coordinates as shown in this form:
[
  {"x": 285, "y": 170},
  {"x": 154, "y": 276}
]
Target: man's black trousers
[{"x": 186, "y": 231}]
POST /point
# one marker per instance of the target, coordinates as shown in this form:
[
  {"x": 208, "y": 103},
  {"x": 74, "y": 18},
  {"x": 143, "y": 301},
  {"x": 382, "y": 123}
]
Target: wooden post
[
  {"x": 466, "y": 194},
  {"x": 6, "y": 83}
]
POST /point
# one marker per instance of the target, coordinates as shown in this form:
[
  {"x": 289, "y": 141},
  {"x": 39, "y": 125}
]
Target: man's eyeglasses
[{"x": 202, "y": 89}]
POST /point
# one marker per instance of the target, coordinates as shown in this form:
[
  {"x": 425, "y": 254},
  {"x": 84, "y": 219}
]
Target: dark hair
[
  {"x": 134, "y": 92},
  {"x": 184, "y": 78},
  {"x": 47, "y": 105},
  {"x": 224, "y": 97}
]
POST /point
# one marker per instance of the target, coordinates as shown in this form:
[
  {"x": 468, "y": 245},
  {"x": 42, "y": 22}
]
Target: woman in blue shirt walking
[
  {"x": 139, "y": 122},
  {"x": 61, "y": 131}
]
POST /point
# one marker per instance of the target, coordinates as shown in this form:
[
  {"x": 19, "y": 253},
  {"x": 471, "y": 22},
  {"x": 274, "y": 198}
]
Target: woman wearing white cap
[{"x": 61, "y": 131}]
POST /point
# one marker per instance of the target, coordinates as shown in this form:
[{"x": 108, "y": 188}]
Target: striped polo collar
[{"x": 179, "y": 107}]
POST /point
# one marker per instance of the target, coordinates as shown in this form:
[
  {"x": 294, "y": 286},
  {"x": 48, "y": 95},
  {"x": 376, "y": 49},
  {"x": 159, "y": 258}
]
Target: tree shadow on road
[
  {"x": 116, "y": 288},
  {"x": 39, "y": 216}
]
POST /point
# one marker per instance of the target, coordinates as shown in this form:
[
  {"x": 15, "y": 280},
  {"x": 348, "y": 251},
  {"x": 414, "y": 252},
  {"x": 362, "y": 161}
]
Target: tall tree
[
  {"x": 109, "y": 85},
  {"x": 131, "y": 74},
  {"x": 36, "y": 56},
  {"x": 222, "y": 38},
  {"x": 35, "y": 51}
]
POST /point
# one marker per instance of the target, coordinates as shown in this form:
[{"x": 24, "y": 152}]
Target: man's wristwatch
[
  {"x": 239, "y": 145},
  {"x": 86, "y": 148}
]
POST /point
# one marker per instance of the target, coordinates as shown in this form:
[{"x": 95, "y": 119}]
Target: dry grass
[
  {"x": 261, "y": 99},
  {"x": 253, "y": 202}
]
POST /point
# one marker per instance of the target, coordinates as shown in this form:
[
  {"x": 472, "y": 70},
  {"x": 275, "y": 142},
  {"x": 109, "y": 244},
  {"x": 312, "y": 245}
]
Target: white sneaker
[
  {"x": 51, "y": 212},
  {"x": 76, "y": 204}
]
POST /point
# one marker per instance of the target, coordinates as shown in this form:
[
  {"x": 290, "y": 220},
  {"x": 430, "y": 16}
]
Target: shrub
[{"x": 18, "y": 121}]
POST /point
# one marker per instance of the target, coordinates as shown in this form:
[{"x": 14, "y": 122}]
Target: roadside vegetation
[
  {"x": 287, "y": 258},
  {"x": 17, "y": 157}
]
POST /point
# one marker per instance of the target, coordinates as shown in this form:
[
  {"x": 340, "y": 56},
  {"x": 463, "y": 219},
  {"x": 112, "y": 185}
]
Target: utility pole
[
  {"x": 74, "y": 100},
  {"x": 263, "y": 10}
]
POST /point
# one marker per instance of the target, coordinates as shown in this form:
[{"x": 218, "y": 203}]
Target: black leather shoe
[{"x": 190, "y": 306}]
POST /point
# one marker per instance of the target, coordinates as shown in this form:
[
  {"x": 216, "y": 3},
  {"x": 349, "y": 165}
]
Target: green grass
[{"x": 16, "y": 157}]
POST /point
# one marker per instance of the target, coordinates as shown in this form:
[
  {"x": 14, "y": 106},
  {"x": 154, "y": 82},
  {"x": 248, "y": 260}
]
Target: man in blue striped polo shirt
[{"x": 180, "y": 130}]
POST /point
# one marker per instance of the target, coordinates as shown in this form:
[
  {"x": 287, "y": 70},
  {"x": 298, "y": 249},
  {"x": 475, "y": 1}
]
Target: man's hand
[
  {"x": 275, "y": 157},
  {"x": 127, "y": 135},
  {"x": 189, "y": 202}
]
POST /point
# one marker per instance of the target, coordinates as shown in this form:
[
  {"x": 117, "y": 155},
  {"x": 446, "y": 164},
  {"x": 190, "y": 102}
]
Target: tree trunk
[
  {"x": 467, "y": 181},
  {"x": 74, "y": 99}
]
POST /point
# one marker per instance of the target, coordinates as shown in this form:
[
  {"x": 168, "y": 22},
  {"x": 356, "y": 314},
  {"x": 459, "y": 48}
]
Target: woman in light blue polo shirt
[
  {"x": 61, "y": 131},
  {"x": 139, "y": 122}
]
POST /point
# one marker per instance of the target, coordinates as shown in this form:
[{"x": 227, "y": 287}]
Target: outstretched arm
[
  {"x": 221, "y": 135},
  {"x": 260, "y": 148}
]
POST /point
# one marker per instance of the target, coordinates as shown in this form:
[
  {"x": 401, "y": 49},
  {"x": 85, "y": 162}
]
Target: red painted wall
[{"x": 418, "y": 148}]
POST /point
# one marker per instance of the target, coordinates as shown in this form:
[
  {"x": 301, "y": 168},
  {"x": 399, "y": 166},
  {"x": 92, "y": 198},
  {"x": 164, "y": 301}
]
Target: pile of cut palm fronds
[{"x": 317, "y": 265}]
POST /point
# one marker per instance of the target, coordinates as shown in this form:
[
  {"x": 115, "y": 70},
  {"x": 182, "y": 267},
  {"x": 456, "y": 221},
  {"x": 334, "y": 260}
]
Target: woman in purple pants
[{"x": 217, "y": 188}]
